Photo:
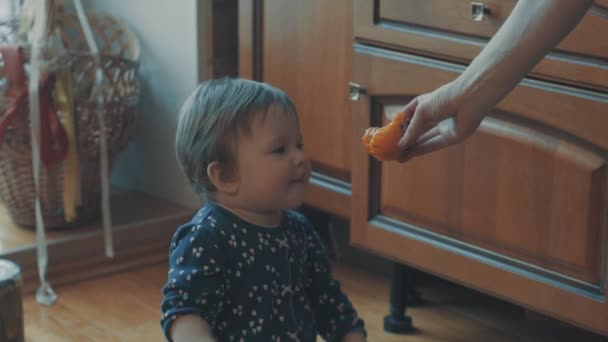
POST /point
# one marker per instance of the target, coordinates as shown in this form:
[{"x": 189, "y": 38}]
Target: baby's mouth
[
  {"x": 300, "y": 179},
  {"x": 297, "y": 180}
]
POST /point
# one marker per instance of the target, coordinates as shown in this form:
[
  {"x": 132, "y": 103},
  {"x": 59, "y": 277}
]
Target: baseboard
[{"x": 141, "y": 235}]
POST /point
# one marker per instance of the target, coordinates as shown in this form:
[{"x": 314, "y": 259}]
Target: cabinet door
[
  {"x": 305, "y": 48},
  {"x": 518, "y": 210}
]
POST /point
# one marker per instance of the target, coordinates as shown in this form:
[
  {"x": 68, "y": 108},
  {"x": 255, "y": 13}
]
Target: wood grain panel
[
  {"x": 510, "y": 189},
  {"x": 307, "y": 52},
  {"x": 247, "y": 47}
]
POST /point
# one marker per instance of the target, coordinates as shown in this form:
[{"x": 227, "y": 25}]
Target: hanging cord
[
  {"x": 40, "y": 13},
  {"x": 97, "y": 95}
]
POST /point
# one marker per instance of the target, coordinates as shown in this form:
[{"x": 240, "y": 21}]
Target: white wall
[
  {"x": 8, "y": 9},
  {"x": 170, "y": 48}
]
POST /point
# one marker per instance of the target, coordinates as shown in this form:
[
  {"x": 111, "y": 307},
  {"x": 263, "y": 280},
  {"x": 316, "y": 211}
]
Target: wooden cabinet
[
  {"x": 305, "y": 48},
  {"x": 518, "y": 211}
]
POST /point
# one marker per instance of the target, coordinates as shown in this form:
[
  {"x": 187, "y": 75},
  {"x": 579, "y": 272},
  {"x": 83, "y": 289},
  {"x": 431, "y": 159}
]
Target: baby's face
[{"x": 273, "y": 170}]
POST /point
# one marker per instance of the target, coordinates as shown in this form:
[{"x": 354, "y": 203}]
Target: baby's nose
[{"x": 299, "y": 158}]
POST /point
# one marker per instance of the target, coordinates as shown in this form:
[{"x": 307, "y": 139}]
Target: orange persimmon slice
[{"x": 381, "y": 142}]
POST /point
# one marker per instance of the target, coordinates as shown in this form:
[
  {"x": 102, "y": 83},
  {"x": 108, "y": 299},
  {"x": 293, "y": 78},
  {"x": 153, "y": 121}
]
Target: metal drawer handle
[
  {"x": 355, "y": 91},
  {"x": 478, "y": 11}
]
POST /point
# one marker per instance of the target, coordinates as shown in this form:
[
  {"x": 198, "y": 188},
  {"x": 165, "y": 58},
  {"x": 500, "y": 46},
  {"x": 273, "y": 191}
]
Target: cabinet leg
[
  {"x": 397, "y": 321},
  {"x": 414, "y": 298}
]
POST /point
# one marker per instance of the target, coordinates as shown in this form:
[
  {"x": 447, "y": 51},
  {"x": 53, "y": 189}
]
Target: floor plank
[
  {"x": 125, "y": 307},
  {"x": 121, "y": 307}
]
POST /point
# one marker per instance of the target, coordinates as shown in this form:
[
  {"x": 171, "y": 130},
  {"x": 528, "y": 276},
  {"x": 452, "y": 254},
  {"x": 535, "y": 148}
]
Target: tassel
[
  {"x": 64, "y": 100},
  {"x": 97, "y": 94},
  {"x": 45, "y": 294}
]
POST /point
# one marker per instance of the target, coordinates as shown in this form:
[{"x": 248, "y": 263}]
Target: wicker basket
[{"x": 120, "y": 57}]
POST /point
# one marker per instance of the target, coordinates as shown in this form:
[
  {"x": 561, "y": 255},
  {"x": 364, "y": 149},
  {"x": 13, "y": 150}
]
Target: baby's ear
[{"x": 222, "y": 178}]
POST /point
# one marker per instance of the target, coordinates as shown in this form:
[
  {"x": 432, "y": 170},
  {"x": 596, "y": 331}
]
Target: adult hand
[{"x": 437, "y": 122}]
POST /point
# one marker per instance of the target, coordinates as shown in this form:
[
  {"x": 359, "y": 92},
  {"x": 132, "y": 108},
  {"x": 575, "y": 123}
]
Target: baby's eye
[
  {"x": 300, "y": 146},
  {"x": 279, "y": 150}
]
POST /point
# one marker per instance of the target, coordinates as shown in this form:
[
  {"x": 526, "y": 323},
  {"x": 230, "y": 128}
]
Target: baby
[{"x": 247, "y": 267}]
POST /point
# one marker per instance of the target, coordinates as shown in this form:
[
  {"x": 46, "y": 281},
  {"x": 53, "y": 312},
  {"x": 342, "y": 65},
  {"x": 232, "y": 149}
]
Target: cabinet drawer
[
  {"x": 446, "y": 29},
  {"x": 517, "y": 210},
  {"x": 454, "y": 16}
]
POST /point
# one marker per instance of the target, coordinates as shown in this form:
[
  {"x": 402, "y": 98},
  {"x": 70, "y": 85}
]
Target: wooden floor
[{"x": 125, "y": 307}]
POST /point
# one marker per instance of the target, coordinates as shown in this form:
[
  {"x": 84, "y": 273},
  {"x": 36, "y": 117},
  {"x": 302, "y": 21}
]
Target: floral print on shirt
[{"x": 252, "y": 283}]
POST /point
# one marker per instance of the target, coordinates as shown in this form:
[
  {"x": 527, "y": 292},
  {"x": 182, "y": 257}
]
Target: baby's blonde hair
[{"x": 212, "y": 118}]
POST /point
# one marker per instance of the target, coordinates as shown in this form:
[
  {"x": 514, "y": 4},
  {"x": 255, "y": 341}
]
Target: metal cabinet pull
[
  {"x": 478, "y": 11},
  {"x": 355, "y": 91}
]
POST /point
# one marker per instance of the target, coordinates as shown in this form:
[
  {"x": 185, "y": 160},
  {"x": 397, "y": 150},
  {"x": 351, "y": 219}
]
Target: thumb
[{"x": 416, "y": 126}]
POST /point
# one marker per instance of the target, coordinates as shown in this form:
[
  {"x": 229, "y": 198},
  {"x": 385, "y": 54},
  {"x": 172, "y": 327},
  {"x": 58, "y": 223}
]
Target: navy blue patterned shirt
[{"x": 252, "y": 283}]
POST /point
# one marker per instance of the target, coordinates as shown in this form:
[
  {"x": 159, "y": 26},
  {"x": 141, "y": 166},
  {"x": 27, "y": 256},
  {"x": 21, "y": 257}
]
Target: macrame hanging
[{"x": 53, "y": 140}]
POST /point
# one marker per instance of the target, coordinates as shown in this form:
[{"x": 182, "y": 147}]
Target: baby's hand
[{"x": 191, "y": 328}]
